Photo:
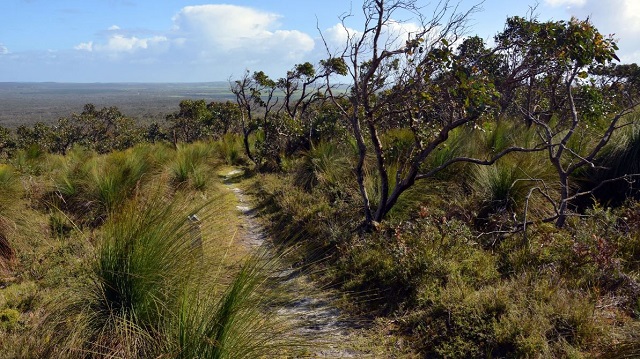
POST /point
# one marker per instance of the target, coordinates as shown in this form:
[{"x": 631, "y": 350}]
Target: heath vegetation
[{"x": 482, "y": 198}]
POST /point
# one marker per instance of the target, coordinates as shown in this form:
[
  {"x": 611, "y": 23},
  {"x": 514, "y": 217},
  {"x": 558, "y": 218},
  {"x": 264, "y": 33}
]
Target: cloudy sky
[{"x": 196, "y": 41}]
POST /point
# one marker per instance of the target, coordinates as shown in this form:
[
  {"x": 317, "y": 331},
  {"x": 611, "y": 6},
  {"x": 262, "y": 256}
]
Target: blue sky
[{"x": 198, "y": 41}]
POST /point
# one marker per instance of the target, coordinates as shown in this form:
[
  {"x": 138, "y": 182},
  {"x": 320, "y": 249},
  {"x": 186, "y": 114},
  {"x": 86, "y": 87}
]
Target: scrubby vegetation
[
  {"x": 482, "y": 199},
  {"x": 100, "y": 258}
]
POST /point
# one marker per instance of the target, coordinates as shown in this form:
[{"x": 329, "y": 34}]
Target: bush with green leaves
[
  {"x": 521, "y": 317},
  {"x": 7, "y": 142}
]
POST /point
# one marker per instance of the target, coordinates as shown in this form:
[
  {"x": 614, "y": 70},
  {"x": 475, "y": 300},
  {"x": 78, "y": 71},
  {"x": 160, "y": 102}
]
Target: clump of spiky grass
[
  {"x": 511, "y": 182},
  {"x": 10, "y": 187},
  {"x": 189, "y": 165},
  {"x": 142, "y": 255},
  {"x": 236, "y": 324},
  {"x": 91, "y": 186},
  {"x": 620, "y": 158},
  {"x": 229, "y": 149},
  {"x": 10, "y": 191},
  {"x": 324, "y": 164},
  {"x": 151, "y": 292},
  {"x": 498, "y": 186},
  {"x": 142, "y": 263},
  {"x": 30, "y": 160},
  {"x": 116, "y": 177},
  {"x": 398, "y": 144},
  {"x": 498, "y": 136},
  {"x": 458, "y": 144}
]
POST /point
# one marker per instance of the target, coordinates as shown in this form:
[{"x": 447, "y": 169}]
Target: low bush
[
  {"x": 521, "y": 317},
  {"x": 9, "y": 319}
]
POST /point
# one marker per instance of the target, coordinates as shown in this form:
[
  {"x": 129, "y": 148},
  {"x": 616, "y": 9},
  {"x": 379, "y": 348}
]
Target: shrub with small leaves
[{"x": 9, "y": 319}]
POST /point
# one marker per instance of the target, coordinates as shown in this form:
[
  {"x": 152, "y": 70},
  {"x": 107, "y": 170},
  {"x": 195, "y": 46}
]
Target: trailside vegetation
[{"x": 482, "y": 199}]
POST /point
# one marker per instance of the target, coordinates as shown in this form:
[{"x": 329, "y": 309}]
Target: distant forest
[{"x": 28, "y": 103}]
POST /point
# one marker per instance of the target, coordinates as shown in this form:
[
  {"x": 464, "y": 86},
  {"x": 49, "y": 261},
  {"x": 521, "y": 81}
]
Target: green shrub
[
  {"x": 524, "y": 317},
  {"x": 9, "y": 319},
  {"x": 22, "y": 296},
  {"x": 410, "y": 259},
  {"x": 324, "y": 164},
  {"x": 10, "y": 188}
]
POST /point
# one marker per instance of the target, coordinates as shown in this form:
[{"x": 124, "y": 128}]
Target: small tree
[
  {"x": 282, "y": 109},
  {"x": 303, "y": 91},
  {"x": 187, "y": 125},
  {"x": 420, "y": 84},
  {"x": 255, "y": 95},
  {"x": 567, "y": 93},
  {"x": 37, "y": 136},
  {"x": 106, "y": 129},
  {"x": 7, "y": 142},
  {"x": 225, "y": 118}
]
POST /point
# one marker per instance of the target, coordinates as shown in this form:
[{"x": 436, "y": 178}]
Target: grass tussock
[
  {"x": 156, "y": 288},
  {"x": 90, "y": 186},
  {"x": 229, "y": 149},
  {"x": 10, "y": 188},
  {"x": 325, "y": 164},
  {"x": 113, "y": 266},
  {"x": 189, "y": 167},
  {"x": 10, "y": 192},
  {"x": 235, "y": 325}
]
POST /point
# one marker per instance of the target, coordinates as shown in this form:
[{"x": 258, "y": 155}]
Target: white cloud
[
  {"x": 117, "y": 43},
  {"x": 338, "y": 35},
  {"x": 226, "y": 26},
  {"x": 240, "y": 30},
  {"x": 85, "y": 46},
  {"x": 3, "y": 50},
  {"x": 394, "y": 35},
  {"x": 120, "y": 43},
  {"x": 225, "y": 39}
]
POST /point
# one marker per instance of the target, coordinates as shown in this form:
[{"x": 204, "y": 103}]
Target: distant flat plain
[{"x": 28, "y": 103}]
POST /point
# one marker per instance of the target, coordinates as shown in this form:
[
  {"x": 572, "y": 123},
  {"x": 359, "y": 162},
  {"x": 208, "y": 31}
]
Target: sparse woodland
[{"x": 469, "y": 200}]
